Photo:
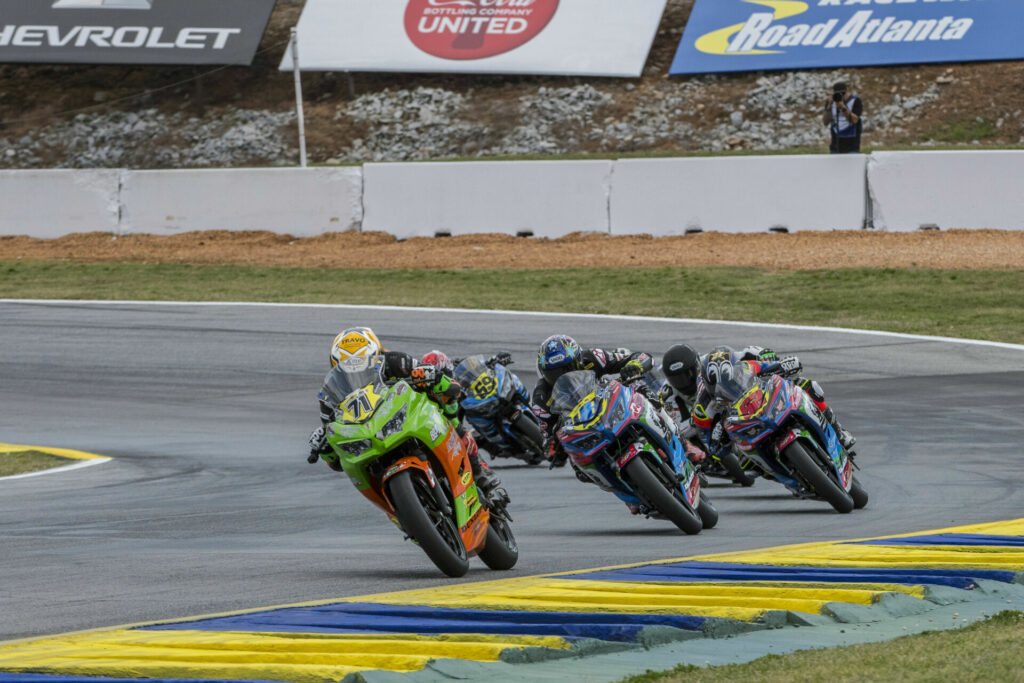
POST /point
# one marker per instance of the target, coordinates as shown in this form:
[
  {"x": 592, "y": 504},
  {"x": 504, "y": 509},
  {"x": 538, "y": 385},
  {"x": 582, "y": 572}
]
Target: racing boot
[{"x": 845, "y": 437}]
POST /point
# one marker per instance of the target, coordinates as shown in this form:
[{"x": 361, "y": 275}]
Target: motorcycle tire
[
  {"x": 500, "y": 551},
  {"x": 424, "y": 521},
  {"x": 859, "y": 495},
  {"x": 657, "y": 493},
  {"x": 707, "y": 511},
  {"x": 819, "y": 480},
  {"x": 530, "y": 432},
  {"x": 739, "y": 475}
]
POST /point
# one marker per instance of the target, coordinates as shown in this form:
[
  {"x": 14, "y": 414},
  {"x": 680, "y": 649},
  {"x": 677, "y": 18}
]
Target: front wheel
[
  {"x": 859, "y": 495},
  {"x": 823, "y": 485},
  {"x": 425, "y": 521},
  {"x": 500, "y": 550},
  {"x": 707, "y": 511},
  {"x": 739, "y": 475},
  {"x": 531, "y": 436},
  {"x": 652, "y": 489}
]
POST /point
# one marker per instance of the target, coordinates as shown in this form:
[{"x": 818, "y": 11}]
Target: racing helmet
[
  {"x": 681, "y": 365},
  {"x": 558, "y": 355},
  {"x": 439, "y": 360},
  {"x": 719, "y": 364},
  {"x": 354, "y": 349}
]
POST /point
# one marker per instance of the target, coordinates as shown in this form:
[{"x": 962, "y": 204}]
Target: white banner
[{"x": 557, "y": 37}]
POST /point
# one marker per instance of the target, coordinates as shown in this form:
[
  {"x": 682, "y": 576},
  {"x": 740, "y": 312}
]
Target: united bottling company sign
[
  {"x": 475, "y": 29},
  {"x": 748, "y": 35}
]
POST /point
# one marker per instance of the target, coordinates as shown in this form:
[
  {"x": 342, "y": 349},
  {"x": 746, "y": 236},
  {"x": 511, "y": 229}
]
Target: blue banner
[{"x": 754, "y": 35}]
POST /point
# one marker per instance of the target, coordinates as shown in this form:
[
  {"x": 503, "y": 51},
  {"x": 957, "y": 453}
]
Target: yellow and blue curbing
[
  {"x": 81, "y": 458},
  {"x": 560, "y": 614}
]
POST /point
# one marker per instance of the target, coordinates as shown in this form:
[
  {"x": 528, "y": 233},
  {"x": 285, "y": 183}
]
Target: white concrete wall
[
  {"x": 737, "y": 194},
  {"x": 300, "y": 202},
  {"x": 548, "y": 198},
  {"x": 53, "y": 203},
  {"x": 969, "y": 189}
]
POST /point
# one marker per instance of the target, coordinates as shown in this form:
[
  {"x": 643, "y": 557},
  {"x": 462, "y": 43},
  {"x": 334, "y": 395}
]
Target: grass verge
[
  {"x": 984, "y": 651},
  {"x": 22, "y": 462},
  {"x": 981, "y": 304}
]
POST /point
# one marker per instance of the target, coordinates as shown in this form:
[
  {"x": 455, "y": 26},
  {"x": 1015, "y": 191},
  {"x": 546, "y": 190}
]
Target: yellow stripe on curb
[
  {"x": 59, "y": 452},
  {"x": 300, "y": 657},
  {"x": 744, "y": 601}
]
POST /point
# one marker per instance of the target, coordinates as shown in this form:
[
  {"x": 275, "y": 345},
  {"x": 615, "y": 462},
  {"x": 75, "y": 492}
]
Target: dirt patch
[{"x": 955, "y": 249}]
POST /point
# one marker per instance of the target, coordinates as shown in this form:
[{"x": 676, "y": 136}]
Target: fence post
[{"x": 298, "y": 98}]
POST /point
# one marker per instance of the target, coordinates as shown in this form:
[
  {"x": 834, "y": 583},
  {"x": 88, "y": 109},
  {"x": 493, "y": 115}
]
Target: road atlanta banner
[
  {"x": 561, "y": 37},
  {"x": 749, "y": 35}
]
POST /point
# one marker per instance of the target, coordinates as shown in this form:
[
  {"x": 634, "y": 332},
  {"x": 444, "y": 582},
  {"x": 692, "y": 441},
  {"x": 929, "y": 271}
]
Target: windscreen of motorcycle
[
  {"x": 571, "y": 389},
  {"x": 357, "y": 393},
  {"x": 733, "y": 386},
  {"x": 477, "y": 378}
]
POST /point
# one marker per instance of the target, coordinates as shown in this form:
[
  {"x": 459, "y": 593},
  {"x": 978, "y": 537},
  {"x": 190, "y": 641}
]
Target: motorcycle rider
[
  {"x": 560, "y": 354},
  {"x": 722, "y": 361},
  {"x": 359, "y": 347}
]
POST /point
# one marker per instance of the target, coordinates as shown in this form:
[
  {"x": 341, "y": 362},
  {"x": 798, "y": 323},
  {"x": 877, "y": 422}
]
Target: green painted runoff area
[
  {"x": 977, "y": 304},
  {"x": 23, "y": 462},
  {"x": 984, "y": 651}
]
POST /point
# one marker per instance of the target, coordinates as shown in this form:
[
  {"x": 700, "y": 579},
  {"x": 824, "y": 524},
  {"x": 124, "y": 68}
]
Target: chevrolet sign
[{"x": 132, "y": 31}]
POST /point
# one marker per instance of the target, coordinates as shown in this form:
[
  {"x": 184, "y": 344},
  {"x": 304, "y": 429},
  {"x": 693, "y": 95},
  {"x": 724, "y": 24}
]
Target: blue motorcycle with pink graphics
[
  {"x": 619, "y": 440},
  {"x": 777, "y": 427}
]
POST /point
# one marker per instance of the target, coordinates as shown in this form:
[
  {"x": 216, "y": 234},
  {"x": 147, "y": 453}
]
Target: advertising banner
[
  {"x": 132, "y": 31},
  {"x": 558, "y": 37},
  {"x": 753, "y": 35}
]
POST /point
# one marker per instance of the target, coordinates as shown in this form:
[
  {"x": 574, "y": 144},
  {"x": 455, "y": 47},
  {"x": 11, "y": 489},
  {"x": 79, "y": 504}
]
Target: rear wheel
[
  {"x": 653, "y": 488},
  {"x": 500, "y": 550},
  {"x": 739, "y": 475},
  {"x": 424, "y": 519},
  {"x": 819, "y": 480},
  {"x": 530, "y": 433},
  {"x": 859, "y": 495},
  {"x": 708, "y": 513}
]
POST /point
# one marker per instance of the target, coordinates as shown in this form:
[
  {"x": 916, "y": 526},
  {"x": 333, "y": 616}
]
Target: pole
[{"x": 298, "y": 98}]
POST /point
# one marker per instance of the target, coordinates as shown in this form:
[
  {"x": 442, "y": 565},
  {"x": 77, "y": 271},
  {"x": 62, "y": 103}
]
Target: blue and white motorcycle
[{"x": 497, "y": 406}]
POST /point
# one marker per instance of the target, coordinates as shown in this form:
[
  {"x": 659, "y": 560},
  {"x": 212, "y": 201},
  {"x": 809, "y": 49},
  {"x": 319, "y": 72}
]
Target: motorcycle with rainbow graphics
[
  {"x": 777, "y": 427},
  {"x": 618, "y": 440},
  {"x": 403, "y": 455}
]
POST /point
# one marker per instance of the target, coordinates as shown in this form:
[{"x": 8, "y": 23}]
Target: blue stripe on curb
[
  {"x": 353, "y": 617},
  {"x": 60, "y": 678},
  {"x": 729, "y": 571},
  {"x": 948, "y": 539}
]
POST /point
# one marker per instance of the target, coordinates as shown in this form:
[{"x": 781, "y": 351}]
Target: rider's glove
[
  {"x": 665, "y": 393},
  {"x": 631, "y": 372},
  {"x": 317, "y": 444},
  {"x": 790, "y": 365},
  {"x": 423, "y": 377},
  {"x": 556, "y": 454},
  {"x": 767, "y": 354},
  {"x": 504, "y": 358}
]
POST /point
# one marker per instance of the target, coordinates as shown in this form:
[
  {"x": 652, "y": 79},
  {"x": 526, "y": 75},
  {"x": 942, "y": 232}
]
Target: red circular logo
[{"x": 474, "y": 29}]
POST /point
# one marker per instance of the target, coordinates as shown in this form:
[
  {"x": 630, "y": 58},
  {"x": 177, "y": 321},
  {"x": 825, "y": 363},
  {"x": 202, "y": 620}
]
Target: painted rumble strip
[
  {"x": 485, "y": 622},
  {"x": 84, "y": 459}
]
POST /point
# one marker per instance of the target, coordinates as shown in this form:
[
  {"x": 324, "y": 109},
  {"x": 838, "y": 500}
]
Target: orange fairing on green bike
[{"x": 381, "y": 430}]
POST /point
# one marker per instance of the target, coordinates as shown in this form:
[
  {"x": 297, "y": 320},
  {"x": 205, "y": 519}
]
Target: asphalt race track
[{"x": 210, "y": 506}]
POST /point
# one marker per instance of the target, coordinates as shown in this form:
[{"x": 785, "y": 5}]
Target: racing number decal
[
  {"x": 484, "y": 386},
  {"x": 359, "y": 404}
]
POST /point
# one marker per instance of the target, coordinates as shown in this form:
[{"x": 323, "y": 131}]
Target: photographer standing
[{"x": 843, "y": 116}]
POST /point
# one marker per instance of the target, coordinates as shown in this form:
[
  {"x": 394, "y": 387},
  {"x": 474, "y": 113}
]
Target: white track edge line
[
  {"x": 55, "y": 470},
  {"x": 539, "y": 314}
]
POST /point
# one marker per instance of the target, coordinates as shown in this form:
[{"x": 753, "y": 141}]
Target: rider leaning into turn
[
  {"x": 560, "y": 354},
  {"x": 359, "y": 347},
  {"x": 698, "y": 381}
]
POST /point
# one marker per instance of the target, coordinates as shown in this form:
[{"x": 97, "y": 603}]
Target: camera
[{"x": 837, "y": 97}]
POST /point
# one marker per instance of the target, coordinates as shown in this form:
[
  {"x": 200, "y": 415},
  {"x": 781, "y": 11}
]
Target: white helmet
[{"x": 355, "y": 349}]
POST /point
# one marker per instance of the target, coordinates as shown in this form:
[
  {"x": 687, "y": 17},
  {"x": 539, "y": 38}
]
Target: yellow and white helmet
[{"x": 354, "y": 349}]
